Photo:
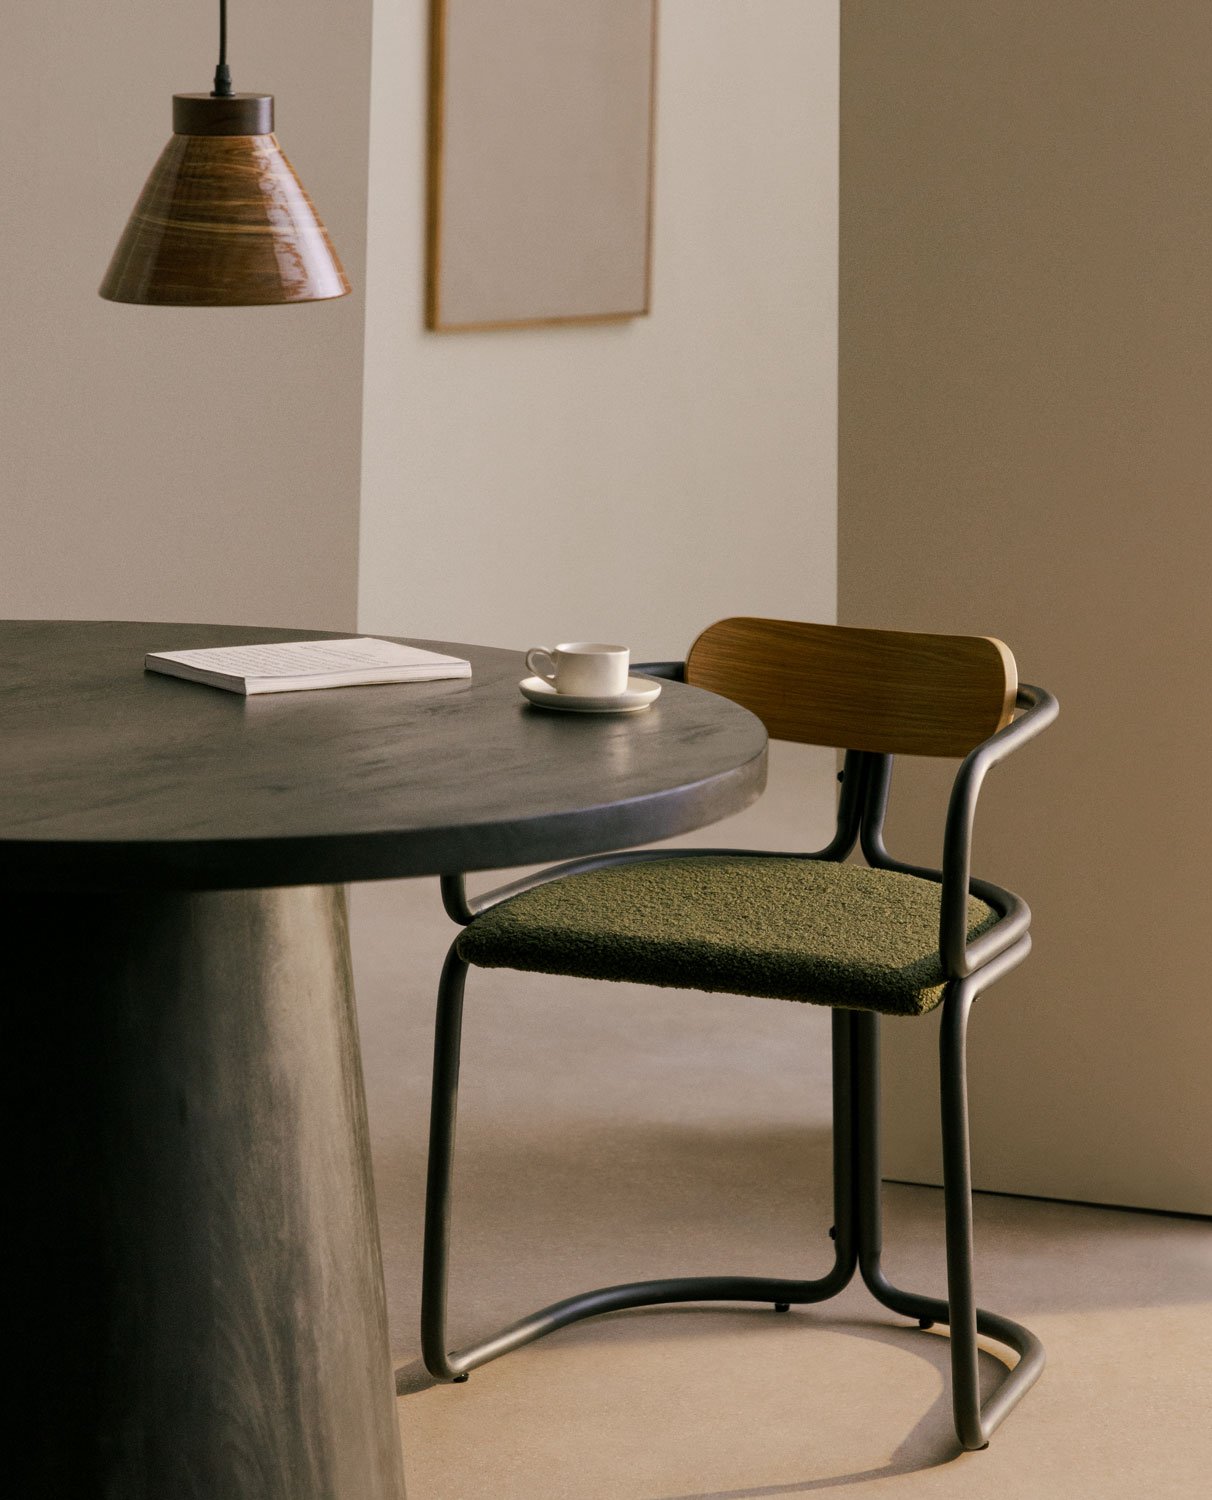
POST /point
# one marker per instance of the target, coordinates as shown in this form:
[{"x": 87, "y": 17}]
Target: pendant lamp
[{"x": 223, "y": 221}]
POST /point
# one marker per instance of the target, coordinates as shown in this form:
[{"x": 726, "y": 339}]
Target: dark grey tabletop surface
[{"x": 116, "y": 778}]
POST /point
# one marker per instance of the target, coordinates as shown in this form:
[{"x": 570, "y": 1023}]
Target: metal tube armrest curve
[{"x": 960, "y": 958}]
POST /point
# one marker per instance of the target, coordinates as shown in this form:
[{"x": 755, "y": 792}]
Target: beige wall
[
  {"x": 158, "y": 462},
  {"x": 1026, "y": 450},
  {"x": 628, "y": 482}
]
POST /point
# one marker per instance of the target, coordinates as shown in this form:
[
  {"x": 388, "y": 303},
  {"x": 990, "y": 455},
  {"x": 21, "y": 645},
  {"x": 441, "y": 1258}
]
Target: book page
[{"x": 304, "y": 658}]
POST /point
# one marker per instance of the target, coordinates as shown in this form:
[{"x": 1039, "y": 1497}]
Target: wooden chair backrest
[{"x": 891, "y": 691}]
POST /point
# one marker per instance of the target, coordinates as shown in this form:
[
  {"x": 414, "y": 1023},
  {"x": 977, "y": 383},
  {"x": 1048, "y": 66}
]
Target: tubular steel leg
[
  {"x": 442, "y": 1112},
  {"x": 957, "y": 1196},
  {"x": 868, "y": 1180},
  {"x": 974, "y": 1425},
  {"x": 776, "y": 1290},
  {"x": 844, "y": 1230}
]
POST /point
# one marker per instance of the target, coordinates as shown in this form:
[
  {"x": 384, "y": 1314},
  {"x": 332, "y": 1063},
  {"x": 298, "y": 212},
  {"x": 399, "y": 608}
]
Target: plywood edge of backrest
[{"x": 891, "y": 691}]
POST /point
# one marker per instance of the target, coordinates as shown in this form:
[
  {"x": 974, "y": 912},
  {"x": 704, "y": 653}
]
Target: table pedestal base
[{"x": 197, "y": 1287}]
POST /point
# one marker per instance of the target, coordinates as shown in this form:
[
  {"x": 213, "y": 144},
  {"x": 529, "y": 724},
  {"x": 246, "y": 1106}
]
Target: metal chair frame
[{"x": 969, "y": 969}]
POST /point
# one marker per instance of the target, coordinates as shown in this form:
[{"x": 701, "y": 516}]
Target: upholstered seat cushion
[{"x": 787, "y": 928}]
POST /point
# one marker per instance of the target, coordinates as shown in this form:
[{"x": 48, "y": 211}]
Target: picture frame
[{"x": 541, "y": 160}]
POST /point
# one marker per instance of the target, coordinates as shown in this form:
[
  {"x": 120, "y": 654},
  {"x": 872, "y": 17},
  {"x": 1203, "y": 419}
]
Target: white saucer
[{"x": 641, "y": 691}]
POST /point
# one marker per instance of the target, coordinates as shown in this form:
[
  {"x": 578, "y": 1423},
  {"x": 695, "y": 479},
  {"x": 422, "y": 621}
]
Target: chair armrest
[
  {"x": 674, "y": 671},
  {"x": 960, "y": 958},
  {"x": 454, "y": 899}
]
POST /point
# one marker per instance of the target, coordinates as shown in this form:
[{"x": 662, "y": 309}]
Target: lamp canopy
[{"x": 223, "y": 221}]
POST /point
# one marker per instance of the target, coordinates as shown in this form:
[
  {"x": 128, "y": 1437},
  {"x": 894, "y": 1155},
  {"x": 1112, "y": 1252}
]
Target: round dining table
[{"x": 196, "y": 1290}]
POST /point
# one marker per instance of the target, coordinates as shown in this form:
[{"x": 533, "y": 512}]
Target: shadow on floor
[{"x": 930, "y": 1444}]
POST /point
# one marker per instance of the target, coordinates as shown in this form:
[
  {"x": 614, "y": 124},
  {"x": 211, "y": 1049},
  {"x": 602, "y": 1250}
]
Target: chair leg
[
  {"x": 778, "y": 1291},
  {"x": 957, "y": 1206},
  {"x": 974, "y": 1424},
  {"x": 868, "y": 1181},
  {"x": 442, "y": 1113}
]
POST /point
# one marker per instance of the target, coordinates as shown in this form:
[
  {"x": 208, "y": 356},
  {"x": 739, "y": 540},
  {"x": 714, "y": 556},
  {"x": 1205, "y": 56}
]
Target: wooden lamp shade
[{"x": 223, "y": 221}]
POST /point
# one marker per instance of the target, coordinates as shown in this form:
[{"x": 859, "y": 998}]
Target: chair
[{"x": 886, "y": 937}]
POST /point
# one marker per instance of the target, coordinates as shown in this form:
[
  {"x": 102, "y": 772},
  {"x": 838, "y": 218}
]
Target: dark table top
[{"x": 113, "y": 778}]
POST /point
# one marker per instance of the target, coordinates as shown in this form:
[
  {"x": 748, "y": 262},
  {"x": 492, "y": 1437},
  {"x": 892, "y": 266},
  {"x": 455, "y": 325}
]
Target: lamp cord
[{"x": 222, "y": 88}]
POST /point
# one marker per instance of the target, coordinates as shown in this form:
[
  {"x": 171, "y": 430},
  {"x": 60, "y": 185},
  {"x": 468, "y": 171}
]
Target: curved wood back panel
[{"x": 890, "y": 691}]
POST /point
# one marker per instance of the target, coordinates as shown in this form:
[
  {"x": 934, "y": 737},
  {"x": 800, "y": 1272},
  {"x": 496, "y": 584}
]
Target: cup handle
[{"x": 534, "y": 656}]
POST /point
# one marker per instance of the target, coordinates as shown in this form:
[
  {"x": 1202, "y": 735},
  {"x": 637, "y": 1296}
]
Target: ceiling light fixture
[{"x": 223, "y": 221}]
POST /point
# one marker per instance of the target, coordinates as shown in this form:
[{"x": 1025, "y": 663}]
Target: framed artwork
[{"x": 541, "y": 125}]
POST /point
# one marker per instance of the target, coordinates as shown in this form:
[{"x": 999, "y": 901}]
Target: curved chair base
[
  {"x": 857, "y": 1218},
  {"x": 457, "y": 1365}
]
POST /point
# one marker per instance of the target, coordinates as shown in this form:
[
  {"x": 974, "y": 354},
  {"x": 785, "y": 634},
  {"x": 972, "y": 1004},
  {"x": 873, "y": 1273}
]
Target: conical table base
[{"x": 196, "y": 1286}]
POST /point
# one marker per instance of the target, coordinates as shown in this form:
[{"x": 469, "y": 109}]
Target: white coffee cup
[{"x": 584, "y": 669}]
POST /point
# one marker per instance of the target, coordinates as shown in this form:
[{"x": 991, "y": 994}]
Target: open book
[{"x": 294, "y": 666}]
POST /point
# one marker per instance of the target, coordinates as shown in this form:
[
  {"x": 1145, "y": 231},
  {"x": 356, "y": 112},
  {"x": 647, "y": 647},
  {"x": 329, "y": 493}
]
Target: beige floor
[{"x": 609, "y": 1133}]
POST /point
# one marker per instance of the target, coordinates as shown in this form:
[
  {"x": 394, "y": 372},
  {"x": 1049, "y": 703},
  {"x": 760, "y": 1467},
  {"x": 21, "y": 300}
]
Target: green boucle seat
[{"x": 790, "y": 929}]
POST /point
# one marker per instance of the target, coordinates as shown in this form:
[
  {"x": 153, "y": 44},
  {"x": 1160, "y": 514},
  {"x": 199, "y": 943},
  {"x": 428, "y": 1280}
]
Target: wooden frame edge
[
  {"x": 435, "y": 117},
  {"x": 435, "y": 159}
]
